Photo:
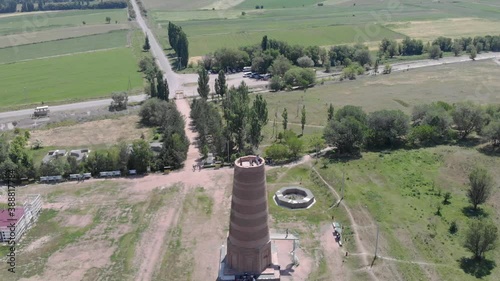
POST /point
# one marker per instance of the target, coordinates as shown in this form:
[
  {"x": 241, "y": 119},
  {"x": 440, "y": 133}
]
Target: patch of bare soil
[
  {"x": 194, "y": 59},
  {"x": 150, "y": 246},
  {"x": 288, "y": 271},
  {"x": 78, "y": 221},
  {"x": 108, "y": 131},
  {"x": 37, "y": 243},
  {"x": 334, "y": 254},
  {"x": 207, "y": 234},
  {"x": 223, "y": 4},
  {"x": 71, "y": 263}
]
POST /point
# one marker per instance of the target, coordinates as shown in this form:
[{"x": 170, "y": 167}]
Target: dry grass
[
  {"x": 107, "y": 131},
  {"x": 176, "y": 4},
  {"x": 475, "y": 81},
  {"x": 223, "y": 4},
  {"x": 58, "y": 34},
  {"x": 453, "y": 27}
]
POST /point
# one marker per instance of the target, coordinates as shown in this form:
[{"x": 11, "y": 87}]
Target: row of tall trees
[
  {"x": 231, "y": 126},
  {"x": 171, "y": 125},
  {"x": 351, "y": 128},
  {"x": 157, "y": 84},
  {"x": 409, "y": 47},
  {"x": 178, "y": 41}
]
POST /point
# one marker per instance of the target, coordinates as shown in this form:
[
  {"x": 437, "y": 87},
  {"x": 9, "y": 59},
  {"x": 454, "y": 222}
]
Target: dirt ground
[{"x": 97, "y": 132}]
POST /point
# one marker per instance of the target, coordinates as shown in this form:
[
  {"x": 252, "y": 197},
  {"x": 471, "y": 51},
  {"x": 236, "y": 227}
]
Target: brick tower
[{"x": 248, "y": 243}]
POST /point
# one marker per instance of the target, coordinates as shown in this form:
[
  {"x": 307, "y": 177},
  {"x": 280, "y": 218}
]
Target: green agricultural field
[
  {"x": 401, "y": 191},
  {"x": 53, "y": 20},
  {"x": 328, "y": 35},
  {"x": 68, "y": 78},
  {"x": 66, "y": 46},
  {"x": 337, "y": 22}
]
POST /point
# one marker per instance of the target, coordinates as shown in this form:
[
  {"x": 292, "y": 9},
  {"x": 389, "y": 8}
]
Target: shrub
[
  {"x": 119, "y": 101},
  {"x": 276, "y": 83},
  {"x": 435, "y": 52},
  {"x": 387, "y": 69},
  {"x": 305, "y": 61},
  {"x": 453, "y": 227}
]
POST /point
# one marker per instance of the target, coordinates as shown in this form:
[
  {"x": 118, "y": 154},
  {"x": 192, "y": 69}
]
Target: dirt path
[
  {"x": 150, "y": 248},
  {"x": 193, "y": 154},
  {"x": 360, "y": 247},
  {"x": 306, "y": 125},
  {"x": 333, "y": 254}
]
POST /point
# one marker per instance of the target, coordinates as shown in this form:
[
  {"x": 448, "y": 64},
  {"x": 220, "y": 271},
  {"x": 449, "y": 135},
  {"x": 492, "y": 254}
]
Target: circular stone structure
[{"x": 294, "y": 197}]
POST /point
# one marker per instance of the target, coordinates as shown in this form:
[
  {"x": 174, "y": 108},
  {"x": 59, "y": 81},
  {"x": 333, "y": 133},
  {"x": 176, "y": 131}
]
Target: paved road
[
  {"x": 429, "y": 62},
  {"x": 174, "y": 80},
  {"x": 65, "y": 107}
]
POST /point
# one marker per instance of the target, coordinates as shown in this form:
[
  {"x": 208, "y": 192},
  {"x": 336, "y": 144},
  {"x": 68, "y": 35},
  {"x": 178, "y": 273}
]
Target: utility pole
[
  {"x": 343, "y": 184},
  {"x": 376, "y": 242}
]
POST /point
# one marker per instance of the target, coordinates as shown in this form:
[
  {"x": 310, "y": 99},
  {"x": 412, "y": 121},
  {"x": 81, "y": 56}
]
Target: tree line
[
  {"x": 229, "y": 126},
  {"x": 178, "y": 41},
  {"x": 157, "y": 86},
  {"x": 410, "y": 47},
  {"x": 351, "y": 128},
  {"x": 170, "y": 126}
]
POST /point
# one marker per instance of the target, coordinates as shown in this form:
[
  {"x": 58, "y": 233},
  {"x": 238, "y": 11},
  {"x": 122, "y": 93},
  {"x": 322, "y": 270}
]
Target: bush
[
  {"x": 299, "y": 77},
  {"x": 435, "y": 52},
  {"x": 352, "y": 70},
  {"x": 153, "y": 112},
  {"x": 453, "y": 227},
  {"x": 276, "y": 83},
  {"x": 424, "y": 134},
  {"x": 277, "y": 151},
  {"x": 119, "y": 101},
  {"x": 387, "y": 69},
  {"x": 305, "y": 61}
]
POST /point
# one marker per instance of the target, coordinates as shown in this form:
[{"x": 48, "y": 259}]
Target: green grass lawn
[
  {"x": 402, "y": 190},
  {"x": 52, "y": 20},
  {"x": 68, "y": 78},
  {"x": 112, "y": 39}
]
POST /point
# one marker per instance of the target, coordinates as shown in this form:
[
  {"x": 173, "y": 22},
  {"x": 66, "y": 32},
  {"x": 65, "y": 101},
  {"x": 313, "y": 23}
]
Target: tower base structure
[{"x": 271, "y": 273}]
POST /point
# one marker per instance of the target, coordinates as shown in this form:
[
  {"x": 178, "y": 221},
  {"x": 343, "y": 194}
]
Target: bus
[{"x": 41, "y": 111}]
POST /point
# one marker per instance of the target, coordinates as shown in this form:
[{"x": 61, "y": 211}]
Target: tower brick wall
[{"x": 248, "y": 243}]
